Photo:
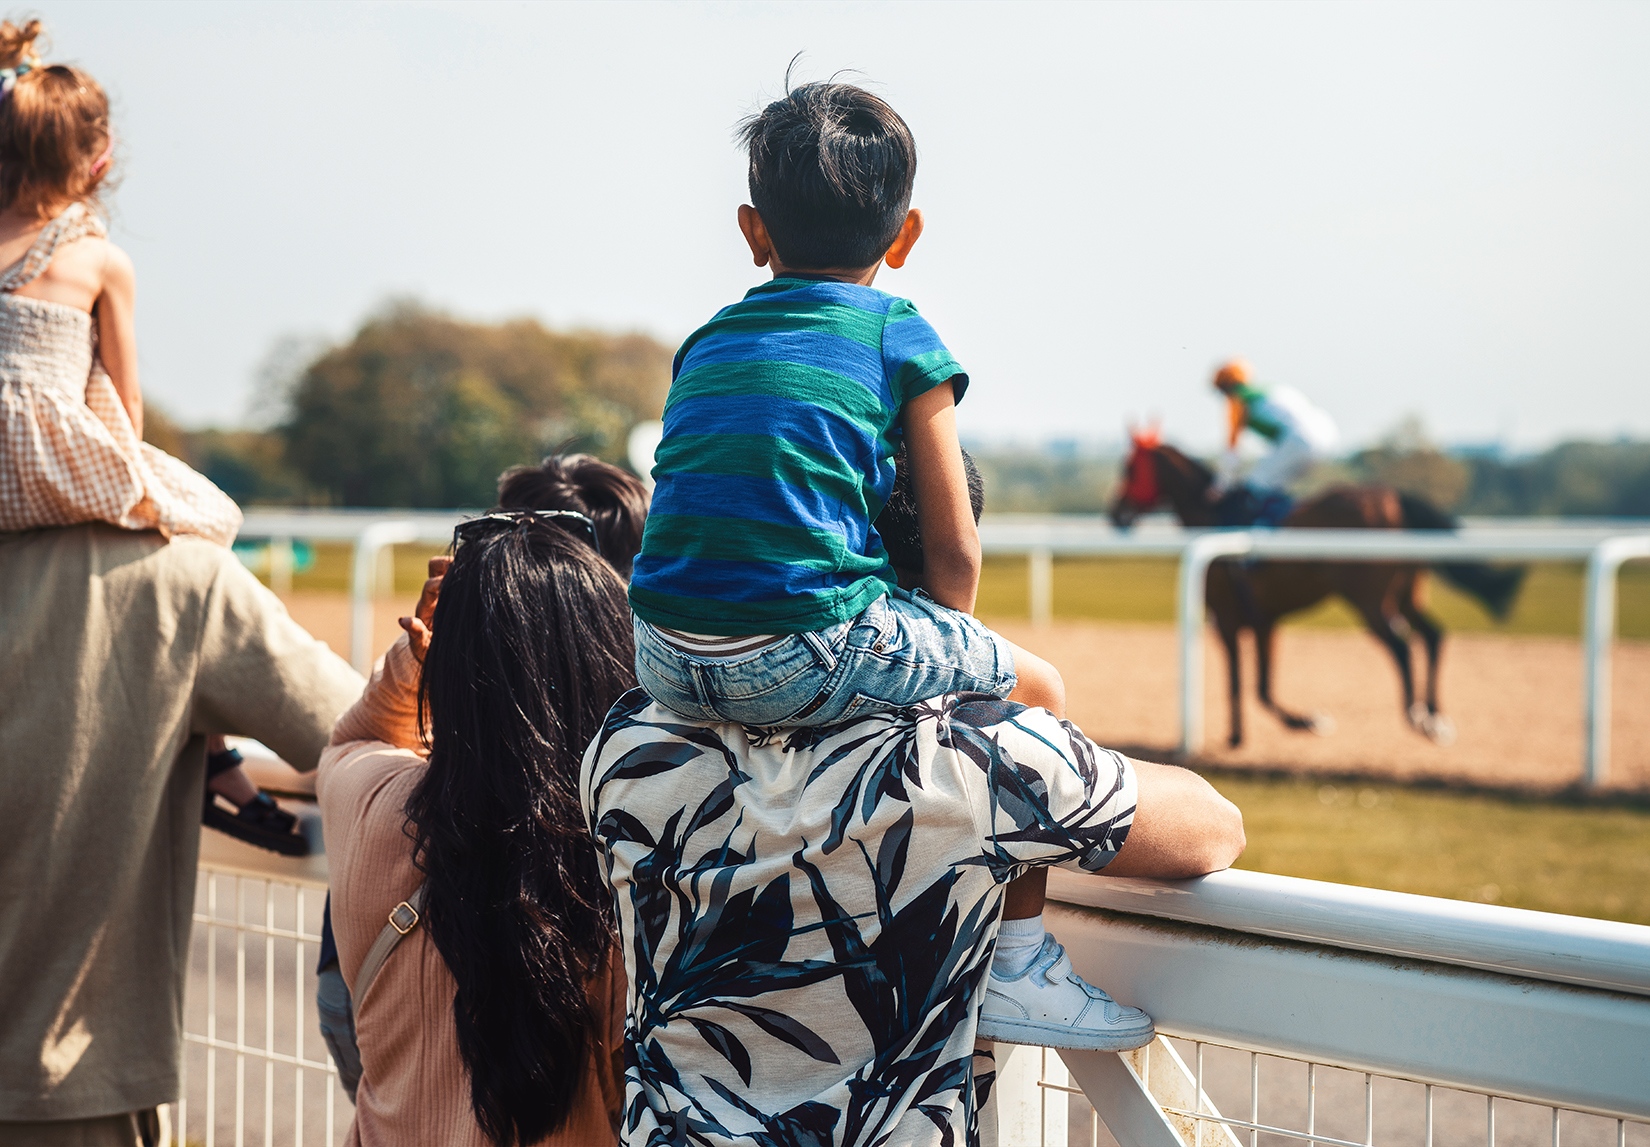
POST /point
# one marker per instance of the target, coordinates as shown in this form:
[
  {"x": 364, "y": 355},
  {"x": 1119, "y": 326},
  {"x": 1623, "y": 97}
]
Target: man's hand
[{"x": 423, "y": 616}]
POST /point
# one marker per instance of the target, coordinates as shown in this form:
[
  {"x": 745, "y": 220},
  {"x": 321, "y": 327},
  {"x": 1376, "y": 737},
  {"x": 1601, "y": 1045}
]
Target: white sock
[{"x": 1018, "y": 942}]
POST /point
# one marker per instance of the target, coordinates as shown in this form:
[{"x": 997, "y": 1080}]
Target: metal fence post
[
  {"x": 281, "y": 561},
  {"x": 1598, "y": 643},
  {"x": 1194, "y": 570},
  {"x": 369, "y": 543},
  {"x": 1041, "y": 563}
]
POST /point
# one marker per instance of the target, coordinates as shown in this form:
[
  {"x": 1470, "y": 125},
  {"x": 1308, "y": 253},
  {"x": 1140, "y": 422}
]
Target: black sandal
[{"x": 260, "y": 821}]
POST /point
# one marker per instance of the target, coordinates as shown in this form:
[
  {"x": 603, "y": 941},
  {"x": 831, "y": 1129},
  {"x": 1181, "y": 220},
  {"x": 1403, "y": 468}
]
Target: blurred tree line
[
  {"x": 1573, "y": 479},
  {"x": 1058, "y": 481},
  {"x": 421, "y": 409}
]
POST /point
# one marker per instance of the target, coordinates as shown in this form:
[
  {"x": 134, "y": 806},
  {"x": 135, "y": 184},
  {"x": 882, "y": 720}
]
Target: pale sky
[{"x": 1440, "y": 209}]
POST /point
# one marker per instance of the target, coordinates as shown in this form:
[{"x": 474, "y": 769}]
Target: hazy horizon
[{"x": 1400, "y": 209}]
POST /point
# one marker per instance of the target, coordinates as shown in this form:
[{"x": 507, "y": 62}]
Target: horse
[{"x": 1256, "y": 596}]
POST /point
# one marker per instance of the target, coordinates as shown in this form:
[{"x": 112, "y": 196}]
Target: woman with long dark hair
[{"x": 498, "y": 1017}]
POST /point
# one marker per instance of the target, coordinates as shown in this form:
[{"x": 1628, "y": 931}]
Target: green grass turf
[
  {"x": 1143, "y": 589},
  {"x": 331, "y": 570},
  {"x": 1551, "y": 857}
]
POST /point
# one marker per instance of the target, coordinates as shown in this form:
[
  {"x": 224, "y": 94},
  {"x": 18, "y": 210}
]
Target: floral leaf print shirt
[{"x": 807, "y": 915}]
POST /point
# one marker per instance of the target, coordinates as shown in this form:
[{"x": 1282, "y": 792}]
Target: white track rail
[
  {"x": 1603, "y": 545},
  {"x": 1501, "y": 1003}
]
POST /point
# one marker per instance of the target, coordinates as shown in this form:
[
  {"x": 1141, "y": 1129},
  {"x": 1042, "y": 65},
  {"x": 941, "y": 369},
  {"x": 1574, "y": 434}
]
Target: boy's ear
[
  {"x": 756, "y": 234},
  {"x": 907, "y": 238}
]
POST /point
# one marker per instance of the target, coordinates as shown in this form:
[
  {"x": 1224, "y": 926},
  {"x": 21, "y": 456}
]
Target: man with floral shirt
[{"x": 808, "y": 914}]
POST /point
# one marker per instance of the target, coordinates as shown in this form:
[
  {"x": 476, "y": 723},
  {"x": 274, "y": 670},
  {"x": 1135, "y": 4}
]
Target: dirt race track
[{"x": 1515, "y": 701}]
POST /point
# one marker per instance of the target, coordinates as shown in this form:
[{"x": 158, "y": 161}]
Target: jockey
[{"x": 1300, "y": 434}]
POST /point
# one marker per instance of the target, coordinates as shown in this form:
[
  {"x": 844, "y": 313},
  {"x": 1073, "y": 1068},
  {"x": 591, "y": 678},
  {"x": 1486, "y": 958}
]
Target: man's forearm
[{"x": 1182, "y": 827}]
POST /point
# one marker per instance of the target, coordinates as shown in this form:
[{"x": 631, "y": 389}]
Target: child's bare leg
[
  {"x": 1054, "y": 1008},
  {"x": 1023, "y": 898},
  {"x": 1040, "y": 685},
  {"x": 232, "y": 783}
]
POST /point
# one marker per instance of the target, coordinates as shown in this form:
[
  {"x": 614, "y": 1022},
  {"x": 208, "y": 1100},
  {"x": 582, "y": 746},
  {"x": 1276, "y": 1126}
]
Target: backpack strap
[{"x": 403, "y": 919}]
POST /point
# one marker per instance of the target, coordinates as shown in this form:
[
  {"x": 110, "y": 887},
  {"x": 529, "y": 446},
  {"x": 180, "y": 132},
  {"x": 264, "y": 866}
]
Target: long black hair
[{"x": 531, "y": 644}]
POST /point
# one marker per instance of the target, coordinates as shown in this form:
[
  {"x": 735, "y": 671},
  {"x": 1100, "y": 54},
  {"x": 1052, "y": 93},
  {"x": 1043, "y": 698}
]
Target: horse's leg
[
  {"x": 1229, "y": 631},
  {"x": 1440, "y": 728},
  {"x": 1382, "y": 623},
  {"x": 1265, "y": 633}
]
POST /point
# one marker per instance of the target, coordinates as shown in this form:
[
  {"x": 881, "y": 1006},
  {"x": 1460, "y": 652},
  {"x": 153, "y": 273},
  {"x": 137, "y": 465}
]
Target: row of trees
[
  {"x": 1573, "y": 479},
  {"x": 421, "y": 409}
]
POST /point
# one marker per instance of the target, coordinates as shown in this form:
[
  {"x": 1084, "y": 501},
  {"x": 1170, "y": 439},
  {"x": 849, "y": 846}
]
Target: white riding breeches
[{"x": 1288, "y": 460}]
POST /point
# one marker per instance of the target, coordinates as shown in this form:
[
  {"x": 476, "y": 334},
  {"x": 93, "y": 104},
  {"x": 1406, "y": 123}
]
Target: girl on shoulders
[{"x": 71, "y": 410}]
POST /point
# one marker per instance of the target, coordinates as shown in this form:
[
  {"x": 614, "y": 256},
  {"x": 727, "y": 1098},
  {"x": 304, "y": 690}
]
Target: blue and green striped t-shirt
[{"x": 780, "y": 430}]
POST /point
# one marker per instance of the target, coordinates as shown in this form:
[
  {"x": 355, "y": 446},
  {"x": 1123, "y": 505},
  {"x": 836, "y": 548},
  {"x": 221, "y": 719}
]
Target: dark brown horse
[{"x": 1256, "y": 596}]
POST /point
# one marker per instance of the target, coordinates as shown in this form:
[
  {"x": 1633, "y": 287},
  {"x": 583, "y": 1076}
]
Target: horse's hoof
[
  {"x": 1440, "y": 730},
  {"x": 1321, "y": 723}
]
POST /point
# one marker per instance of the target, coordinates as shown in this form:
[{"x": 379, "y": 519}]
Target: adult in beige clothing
[
  {"x": 122, "y": 652},
  {"x": 527, "y": 648}
]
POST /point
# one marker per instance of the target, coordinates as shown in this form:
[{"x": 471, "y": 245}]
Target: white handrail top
[
  {"x": 1307, "y": 544},
  {"x": 347, "y": 525},
  {"x": 1604, "y": 954},
  {"x": 1073, "y": 533}
]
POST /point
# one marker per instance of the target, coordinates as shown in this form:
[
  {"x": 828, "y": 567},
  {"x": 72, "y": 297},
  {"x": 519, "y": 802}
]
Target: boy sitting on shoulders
[{"x": 763, "y": 594}]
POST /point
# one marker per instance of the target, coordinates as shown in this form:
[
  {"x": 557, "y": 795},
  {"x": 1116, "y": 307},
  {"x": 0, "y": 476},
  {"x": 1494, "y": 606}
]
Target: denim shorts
[{"x": 903, "y": 649}]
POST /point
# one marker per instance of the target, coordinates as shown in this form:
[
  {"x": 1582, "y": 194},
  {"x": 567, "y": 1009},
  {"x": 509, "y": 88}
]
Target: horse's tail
[{"x": 1495, "y": 586}]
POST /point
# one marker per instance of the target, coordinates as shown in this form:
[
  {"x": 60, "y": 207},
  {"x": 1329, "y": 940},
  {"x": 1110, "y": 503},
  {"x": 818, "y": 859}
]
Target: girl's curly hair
[{"x": 54, "y": 126}]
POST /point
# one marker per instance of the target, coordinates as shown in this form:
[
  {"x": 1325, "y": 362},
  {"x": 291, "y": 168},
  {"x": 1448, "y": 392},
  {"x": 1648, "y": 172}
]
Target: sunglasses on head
[{"x": 484, "y": 524}]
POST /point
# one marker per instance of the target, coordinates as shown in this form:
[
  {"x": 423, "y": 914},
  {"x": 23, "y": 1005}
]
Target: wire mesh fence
[
  {"x": 255, "y": 1070},
  {"x": 1257, "y": 1100}
]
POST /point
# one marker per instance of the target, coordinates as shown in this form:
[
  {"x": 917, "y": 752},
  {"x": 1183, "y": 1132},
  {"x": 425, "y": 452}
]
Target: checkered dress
[{"x": 68, "y": 452}]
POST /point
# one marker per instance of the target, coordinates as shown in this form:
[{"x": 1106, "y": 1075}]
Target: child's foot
[
  {"x": 258, "y": 820},
  {"x": 1047, "y": 1004}
]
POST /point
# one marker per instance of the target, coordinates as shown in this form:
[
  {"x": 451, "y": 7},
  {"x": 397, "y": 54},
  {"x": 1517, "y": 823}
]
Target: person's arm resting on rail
[{"x": 1182, "y": 827}]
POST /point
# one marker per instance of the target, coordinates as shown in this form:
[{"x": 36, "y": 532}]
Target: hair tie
[
  {"x": 102, "y": 161},
  {"x": 10, "y": 76}
]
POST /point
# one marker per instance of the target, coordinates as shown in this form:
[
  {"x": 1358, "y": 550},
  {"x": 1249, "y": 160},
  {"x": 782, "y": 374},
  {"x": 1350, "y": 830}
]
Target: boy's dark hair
[
  {"x": 831, "y": 169},
  {"x": 897, "y": 524}
]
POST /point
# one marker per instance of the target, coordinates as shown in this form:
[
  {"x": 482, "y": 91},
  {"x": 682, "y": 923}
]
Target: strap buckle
[{"x": 403, "y": 917}]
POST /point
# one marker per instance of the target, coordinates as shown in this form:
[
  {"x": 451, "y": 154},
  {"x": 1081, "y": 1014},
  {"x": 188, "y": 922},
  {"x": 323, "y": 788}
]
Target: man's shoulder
[
  {"x": 106, "y": 551},
  {"x": 63, "y": 568},
  {"x": 636, "y": 717}
]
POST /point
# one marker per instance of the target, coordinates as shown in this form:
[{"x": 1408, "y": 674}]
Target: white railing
[
  {"x": 370, "y": 532},
  {"x": 1604, "y": 558},
  {"x": 1412, "y": 1006},
  {"x": 1318, "y": 1013},
  {"x": 1603, "y": 545},
  {"x": 254, "y": 1067}
]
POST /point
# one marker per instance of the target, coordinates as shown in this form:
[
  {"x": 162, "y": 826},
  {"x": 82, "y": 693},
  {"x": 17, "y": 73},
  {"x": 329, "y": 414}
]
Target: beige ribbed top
[{"x": 414, "y": 1088}]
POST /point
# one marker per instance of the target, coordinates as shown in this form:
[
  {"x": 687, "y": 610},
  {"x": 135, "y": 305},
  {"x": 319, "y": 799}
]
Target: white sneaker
[{"x": 1049, "y": 1005}]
